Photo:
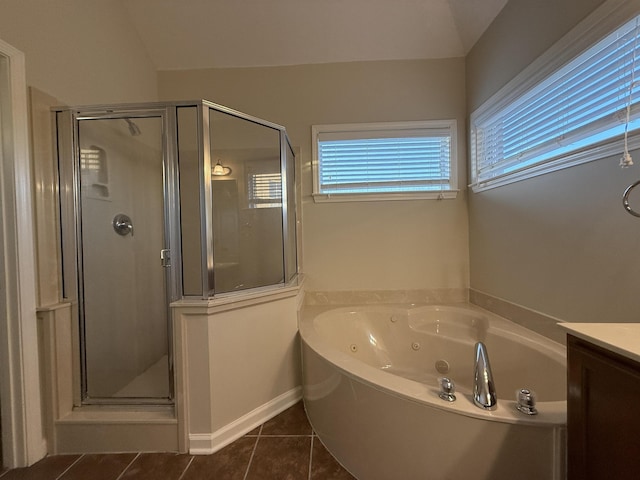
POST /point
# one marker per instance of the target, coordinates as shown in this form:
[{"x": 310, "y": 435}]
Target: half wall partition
[{"x": 160, "y": 202}]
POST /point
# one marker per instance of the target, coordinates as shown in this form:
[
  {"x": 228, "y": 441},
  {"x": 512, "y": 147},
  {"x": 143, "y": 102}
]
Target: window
[
  {"x": 384, "y": 161},
  {"x": 576, "y": 113},
  {"x": 265, "y": 190}
]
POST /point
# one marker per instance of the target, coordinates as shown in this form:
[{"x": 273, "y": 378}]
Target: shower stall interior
[{"x": 158, "y": 203}]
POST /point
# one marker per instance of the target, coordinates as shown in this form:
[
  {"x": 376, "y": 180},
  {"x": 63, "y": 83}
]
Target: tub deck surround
[
  {"x": 377, "y": 297},
  {"x": 550, "y": 327},
  {"x": 372, "y": 370}
]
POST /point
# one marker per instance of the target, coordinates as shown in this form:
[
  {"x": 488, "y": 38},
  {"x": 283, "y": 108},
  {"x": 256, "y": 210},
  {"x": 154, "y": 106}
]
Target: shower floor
[{"x": 153, "y": 382}]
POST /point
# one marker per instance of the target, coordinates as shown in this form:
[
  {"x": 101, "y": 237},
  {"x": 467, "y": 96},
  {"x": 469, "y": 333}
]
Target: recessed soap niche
[{"x": 94, "y": 172}]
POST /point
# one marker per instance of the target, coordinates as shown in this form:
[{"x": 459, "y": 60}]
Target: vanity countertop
[{"x": 621, "y": 338}]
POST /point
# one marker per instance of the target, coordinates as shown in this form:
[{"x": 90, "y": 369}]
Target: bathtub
[{"x": 370, "y": 377}]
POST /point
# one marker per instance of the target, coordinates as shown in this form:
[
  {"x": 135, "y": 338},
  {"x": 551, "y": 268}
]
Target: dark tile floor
[{"x": 284, "y": 448}]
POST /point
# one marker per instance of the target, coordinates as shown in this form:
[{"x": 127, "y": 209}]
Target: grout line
[
  {"x": 70, "y": 466},
  {"x": 253, "y": 452},
  {"x": 310, "y": 459},
  {"x": 187, "y": 467},
  {"x": 127, "y": 467}
]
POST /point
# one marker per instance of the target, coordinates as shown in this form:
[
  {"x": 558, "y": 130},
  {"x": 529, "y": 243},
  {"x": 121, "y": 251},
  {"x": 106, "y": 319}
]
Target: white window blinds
[
  {"x": 582, "y": 104},
  {"x": 381, "y": 159},
  {"x": 265, "y": 190}
]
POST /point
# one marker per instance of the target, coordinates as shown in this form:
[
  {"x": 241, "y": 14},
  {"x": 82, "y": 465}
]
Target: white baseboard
[{"x": 208, "y": 443}]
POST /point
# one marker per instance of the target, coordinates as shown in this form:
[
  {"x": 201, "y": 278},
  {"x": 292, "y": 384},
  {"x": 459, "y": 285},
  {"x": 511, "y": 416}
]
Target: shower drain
[{"x": 353, "y": 347}]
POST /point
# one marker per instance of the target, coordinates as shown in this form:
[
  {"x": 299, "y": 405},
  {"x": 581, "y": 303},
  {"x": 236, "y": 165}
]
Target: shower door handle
[{"x": 165, "y": 257}]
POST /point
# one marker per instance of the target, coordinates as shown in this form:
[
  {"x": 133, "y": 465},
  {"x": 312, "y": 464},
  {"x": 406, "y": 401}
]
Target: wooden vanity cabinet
[{"x": 603, "y": 413}]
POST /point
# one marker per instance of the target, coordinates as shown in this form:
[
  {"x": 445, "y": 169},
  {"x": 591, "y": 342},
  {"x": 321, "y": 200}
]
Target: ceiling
[{"x": 192, "y": 34}]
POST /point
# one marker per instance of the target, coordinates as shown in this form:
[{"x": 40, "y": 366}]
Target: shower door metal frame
[
  {"x": 290, "y": 271},
  {"x": 71, "y": 243},
  {"x": 206, "y": 195}
]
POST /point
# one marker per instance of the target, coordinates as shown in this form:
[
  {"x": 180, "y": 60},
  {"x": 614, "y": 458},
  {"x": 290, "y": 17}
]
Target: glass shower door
[{"x": 122, "y": 281}]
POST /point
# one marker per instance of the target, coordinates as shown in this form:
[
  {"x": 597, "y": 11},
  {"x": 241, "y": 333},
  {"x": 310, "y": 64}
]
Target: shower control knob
[
  {"x": 448, "y": 389},
  {"x": 122, "y": 224}
]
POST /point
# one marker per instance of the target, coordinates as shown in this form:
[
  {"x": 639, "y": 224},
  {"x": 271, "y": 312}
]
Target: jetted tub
[{"x": 371, "y": 393}]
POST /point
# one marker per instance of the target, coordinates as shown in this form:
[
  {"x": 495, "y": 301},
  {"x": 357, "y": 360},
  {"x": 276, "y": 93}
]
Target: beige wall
[
  {"x": 361, "y": 245},
  {"x": 521, "y": 32},
  {"x": 80, "y": 52},
  {"x": 560, "y": 243}
]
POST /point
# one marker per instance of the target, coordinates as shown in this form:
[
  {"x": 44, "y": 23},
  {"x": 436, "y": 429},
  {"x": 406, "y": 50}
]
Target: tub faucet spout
[{"x": 484, "y": 390}]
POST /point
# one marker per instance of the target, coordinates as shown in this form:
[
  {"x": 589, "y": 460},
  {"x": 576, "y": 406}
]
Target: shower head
[{"x": 134, "y": 130}]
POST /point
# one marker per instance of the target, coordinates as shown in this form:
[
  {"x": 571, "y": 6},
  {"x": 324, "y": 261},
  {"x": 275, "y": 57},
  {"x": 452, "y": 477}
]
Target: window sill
[{"x": 381, "y": 197}]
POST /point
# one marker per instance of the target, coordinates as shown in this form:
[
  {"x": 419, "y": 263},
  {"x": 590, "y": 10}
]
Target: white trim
[
  {"x": 208, "y": 443},
  {"x": 243, "y": 298},
  {"x": 601, "y": 22},
  {"x": 22, "y": 433}
]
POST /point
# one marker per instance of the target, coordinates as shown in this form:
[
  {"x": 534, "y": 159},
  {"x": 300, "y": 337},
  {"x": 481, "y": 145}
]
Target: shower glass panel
[
  {"x": 247, "y": 204},
  {"x": 121, "y": 232}
]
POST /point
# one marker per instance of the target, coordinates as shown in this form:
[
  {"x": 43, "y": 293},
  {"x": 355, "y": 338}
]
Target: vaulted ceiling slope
[{"x": 192, "y": 34}]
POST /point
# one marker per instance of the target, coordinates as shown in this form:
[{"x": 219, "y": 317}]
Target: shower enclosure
[{"x": 161, "y": 202}]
